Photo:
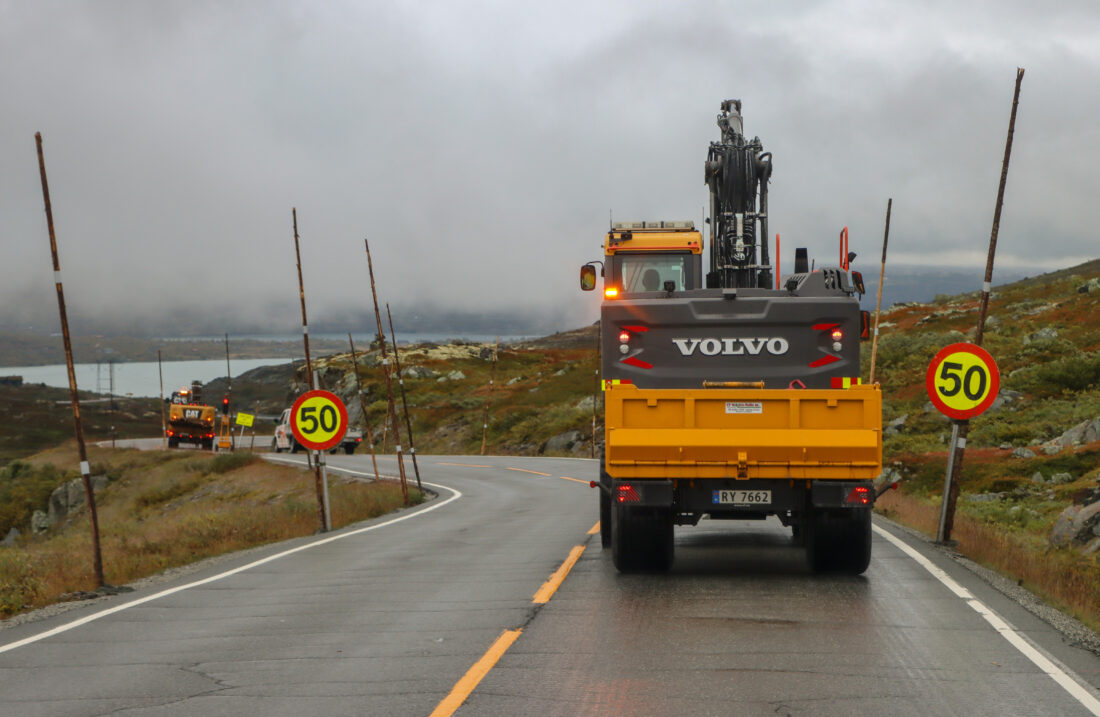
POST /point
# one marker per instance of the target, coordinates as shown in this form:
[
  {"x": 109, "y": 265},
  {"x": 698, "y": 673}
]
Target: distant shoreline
[{"x": 23, "y": 350}]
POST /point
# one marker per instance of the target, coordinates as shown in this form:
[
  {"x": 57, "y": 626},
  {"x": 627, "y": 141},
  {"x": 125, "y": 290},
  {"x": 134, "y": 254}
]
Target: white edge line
[
  {"x": 1071, "y": 684},
  {"x": 170, "y": 591}
]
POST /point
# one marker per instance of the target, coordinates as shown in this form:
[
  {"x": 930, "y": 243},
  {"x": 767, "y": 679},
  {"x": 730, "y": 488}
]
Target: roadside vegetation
[
  {"x": 165, "y": 509},
  {"x": 1023, "y": 467}
]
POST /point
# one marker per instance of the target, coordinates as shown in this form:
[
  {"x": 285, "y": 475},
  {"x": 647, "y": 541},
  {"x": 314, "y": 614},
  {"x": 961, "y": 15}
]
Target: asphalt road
[{"x": 388, "y": 617}]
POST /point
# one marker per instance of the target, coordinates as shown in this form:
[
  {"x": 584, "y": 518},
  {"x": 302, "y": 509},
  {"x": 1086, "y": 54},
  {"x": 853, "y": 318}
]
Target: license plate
[{"x": 742, "y": 497}]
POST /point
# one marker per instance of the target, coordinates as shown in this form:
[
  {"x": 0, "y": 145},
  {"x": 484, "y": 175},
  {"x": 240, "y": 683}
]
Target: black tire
[
  {"x": 605, "y": 519},
  {"x": 839, "y": 540},
  {"x": 294, "y": 446},
  {"x": 275, "y": 447},
  {"x": 641, "y": 539},
  {"x": 348, "y": 450},
  {"x": 173, "y": 442},
  {"x": 208, "y": 445}
]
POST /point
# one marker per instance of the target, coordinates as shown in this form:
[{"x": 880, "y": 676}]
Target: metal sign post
[
  {"x": 319, "y": 420},
  {"x": 324, "y": 490},
  {"x": 962, "y": 381}
]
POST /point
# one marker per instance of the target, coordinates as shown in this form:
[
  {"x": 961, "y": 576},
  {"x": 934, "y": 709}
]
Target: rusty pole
[
  {"x": 229, "y": 395},
  {"x": 404, "y": 400},
  {"x": 85, "y": 468},
  {"x": 363, "y": 407},
  {"x": 389, "y": 382},
  {"x": 489, "y": 397},
  {"x": 322, "y": 517},
  {"x": 955, "y": 460},
  {"x": 163, "y": 423},
  {"x": 881, "y": 279}
]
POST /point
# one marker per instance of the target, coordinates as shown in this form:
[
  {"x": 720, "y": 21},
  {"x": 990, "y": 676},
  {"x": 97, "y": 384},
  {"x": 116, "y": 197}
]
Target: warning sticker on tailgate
[{"x": 744, "y": 407}]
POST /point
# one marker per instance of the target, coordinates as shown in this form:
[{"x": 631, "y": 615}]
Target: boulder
[
  {"x": 40, "y": 522},
  {"x": 1023, "y": 453},
  {"x": 889, "y": 476},
  {"x": 419, "y": 372},
  {"x": 1076, "y": 526},
  {"x": 986, "y": 497},
  {"x": 69, "y": 497},
  {"x": 894, "y": 426},
  {"x": 1038, "y": 477},
  {"x": 563, "y": 442},
  {"x": 11, "y": 537},
  {"x": 1083, "y": 432},
  {"x": 1090, "y": 286},
  {"x": 585, "y": 404},
  {"x": 1044, "y": 334},
  {"x": 455, "y": 375},
  {"x": 1061, "y": 478}
]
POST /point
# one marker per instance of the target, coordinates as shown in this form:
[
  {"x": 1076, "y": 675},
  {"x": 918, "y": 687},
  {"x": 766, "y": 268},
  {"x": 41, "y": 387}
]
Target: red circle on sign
[
  {"x": 318, "y": 420},
  {"x": 952, "y": 376}
]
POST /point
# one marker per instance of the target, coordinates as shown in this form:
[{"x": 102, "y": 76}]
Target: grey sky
[{"x": 480, "y": 145}]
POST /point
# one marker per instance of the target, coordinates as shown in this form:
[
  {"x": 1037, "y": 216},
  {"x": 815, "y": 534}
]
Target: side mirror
[
  {"x": 588, "y": 277},
  {"x": 857, "y": 279}
]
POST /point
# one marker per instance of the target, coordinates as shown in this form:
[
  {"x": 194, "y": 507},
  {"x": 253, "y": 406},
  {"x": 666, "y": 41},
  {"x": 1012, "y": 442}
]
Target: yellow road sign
[
  {"x": 963, "y": 380},
  {"x": 245, "y": 419}
]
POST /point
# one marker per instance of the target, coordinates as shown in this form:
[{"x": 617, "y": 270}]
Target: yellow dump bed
[
  {"x": 743, "y": 433},
  {"x": 191, "y": 413}
]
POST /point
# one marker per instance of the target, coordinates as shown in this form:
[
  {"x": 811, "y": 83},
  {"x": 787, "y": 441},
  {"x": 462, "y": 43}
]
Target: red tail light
[
  {"x": 627, "y": 494},
  {"x": 860, "y": 495}
]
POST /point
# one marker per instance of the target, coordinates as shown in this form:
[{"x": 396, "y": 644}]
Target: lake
[{"x": 136, "y": 378}]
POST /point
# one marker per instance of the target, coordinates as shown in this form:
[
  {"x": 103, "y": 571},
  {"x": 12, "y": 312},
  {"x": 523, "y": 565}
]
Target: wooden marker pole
[
  {"x": 85, "y": 468},
  {"x": 881, "y": 278},
  {"x": 322, "y": 517},
  {"x": 489, "y": 398},
  {"x": 951, "y": 489},
  {"x": 363, "y": 407},
  {"x": 389, "y": 382},
  {"x": 163, "y": 422},
  {"x": 404, "y": 401}
]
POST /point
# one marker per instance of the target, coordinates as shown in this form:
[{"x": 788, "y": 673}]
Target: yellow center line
[
  {"x": 575, "y": 480},
  {"x": 594, "y": 529},
  {"x": 524, "y": 470},
  {"x": 467, "y": 465},
  {"x": 475, "y": 674},
  {"x": 550, "y": 586}
]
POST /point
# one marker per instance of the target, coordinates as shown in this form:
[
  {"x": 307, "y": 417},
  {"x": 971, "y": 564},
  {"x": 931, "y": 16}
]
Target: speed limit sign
[
  {"x": 963, "y": 380},
  {"x": 318, "y": 420}
]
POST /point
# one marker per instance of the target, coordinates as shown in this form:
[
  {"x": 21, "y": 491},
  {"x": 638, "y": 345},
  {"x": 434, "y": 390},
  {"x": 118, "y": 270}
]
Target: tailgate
[{"x": 743, "y": 433}]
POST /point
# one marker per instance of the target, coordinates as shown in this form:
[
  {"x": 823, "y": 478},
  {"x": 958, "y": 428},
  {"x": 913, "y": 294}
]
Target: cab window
[{"x": 649, "y": 272}]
